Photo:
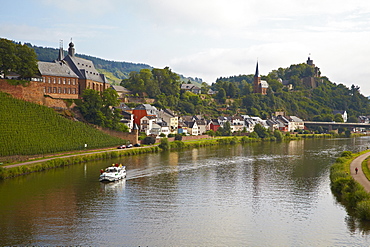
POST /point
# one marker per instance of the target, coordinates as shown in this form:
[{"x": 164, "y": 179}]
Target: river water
[{"x": 263, "y": 194}]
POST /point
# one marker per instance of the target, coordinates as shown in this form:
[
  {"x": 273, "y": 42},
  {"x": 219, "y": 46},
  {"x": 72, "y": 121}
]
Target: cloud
[{"x": 95, "y": 8}]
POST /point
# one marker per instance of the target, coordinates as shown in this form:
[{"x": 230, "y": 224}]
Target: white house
[
  {"x": 146, "y": 124},
  {"x": 297, "y": 123}
]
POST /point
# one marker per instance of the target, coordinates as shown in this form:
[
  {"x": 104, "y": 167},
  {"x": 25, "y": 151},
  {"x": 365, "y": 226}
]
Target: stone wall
[
  {"x": 33, "y": 92},
  {"x": 132, "y": 137},
  {"x": 185, "y": 138}
]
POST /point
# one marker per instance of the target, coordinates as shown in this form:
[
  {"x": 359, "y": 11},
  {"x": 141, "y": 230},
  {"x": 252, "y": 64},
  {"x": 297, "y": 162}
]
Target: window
[
  {"x": 54, "y": 80},
  {"x": 64, "y": 80},
  {"x": 69, "y": 81},
  {"x": 69, "y": 91},
  {"x": 49, "y": 80},
  {"x": 58, "y": 80},
  {"x": 59, "y": 90},
  {"x": 54, "y": 90}
]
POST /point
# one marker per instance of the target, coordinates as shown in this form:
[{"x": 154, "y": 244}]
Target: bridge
[{"x": 336, "y": 125}]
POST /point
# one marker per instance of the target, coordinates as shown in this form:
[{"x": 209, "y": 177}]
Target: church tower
[
  {"x": 71, "y": 49},
  {"x": 257, "y": 81}
]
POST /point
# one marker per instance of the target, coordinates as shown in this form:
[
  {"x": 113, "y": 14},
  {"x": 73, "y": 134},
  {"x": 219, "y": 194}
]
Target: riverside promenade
[{"x": 360, "y": 176}]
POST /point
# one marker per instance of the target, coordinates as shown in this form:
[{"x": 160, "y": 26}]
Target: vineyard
[{"x": 27, "y": 128}]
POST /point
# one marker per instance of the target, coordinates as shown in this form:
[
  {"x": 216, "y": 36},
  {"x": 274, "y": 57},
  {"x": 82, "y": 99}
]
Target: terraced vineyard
[{"x": 27, "y": 128}]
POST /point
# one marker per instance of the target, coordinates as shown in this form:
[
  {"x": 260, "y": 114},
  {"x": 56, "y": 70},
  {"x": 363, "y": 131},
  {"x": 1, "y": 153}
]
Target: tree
[
  {"x": 278, "y": 135},
  {"x": 164, "y": 144},
  {"x": 18, "y": 58},
  {"x": 338, "y": 118},
  {"x": 149, "y": 140},
  {"x": 227, "y": 129},
  {"x": 261, "y": 131},
  {"x": 98, "y": 108},
  {"x": 27, "y": 61},
  {"x": 221, "y": 95},
  {"x": 8, "y": 57}
]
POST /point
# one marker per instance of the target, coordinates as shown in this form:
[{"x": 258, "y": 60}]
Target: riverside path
[{"x": 360, "y": 176}]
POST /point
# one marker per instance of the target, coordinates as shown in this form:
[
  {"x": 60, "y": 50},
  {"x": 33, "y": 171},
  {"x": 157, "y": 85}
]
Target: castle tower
[{"x": 257, "y": 81}]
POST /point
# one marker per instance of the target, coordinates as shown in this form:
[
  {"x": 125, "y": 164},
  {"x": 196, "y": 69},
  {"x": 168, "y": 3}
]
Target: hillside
[
  {"x": 28, "y": 128},
  {"x": 296, "y": 90}
]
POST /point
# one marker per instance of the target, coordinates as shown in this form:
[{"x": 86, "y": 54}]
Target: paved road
[
  {"x": 61, "y": 156},
  {"x": 360, "y": 176}
]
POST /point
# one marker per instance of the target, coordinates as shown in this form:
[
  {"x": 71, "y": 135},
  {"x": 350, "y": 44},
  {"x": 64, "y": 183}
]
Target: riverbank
[{"x": 70, "y": 158}]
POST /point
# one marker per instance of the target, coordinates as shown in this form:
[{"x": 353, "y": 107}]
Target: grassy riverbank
[
  {"x": 81, "y": 157},
  {"x": 349, "y": 192},
  {"x": 71, "y": 160}
]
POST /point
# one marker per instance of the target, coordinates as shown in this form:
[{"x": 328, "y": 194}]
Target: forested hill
[
  {"x": 297, "y": 90},
  {"x": 119, "y": 70},
  {"x": 114, "y": 71}
]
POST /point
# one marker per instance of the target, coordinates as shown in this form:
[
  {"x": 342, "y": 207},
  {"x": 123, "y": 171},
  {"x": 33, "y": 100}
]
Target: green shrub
[
  {"x": 363, "y": 210},
  {"x": 149, "y": 140},
  {"x": 346, "y": 154},
  {"x": 178, "y": 137},
  {"x": 164, "y": 144}
]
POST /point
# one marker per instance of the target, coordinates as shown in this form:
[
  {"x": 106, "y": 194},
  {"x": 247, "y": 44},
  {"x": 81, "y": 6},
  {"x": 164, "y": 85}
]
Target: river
[{"x": 262, "y": 194}]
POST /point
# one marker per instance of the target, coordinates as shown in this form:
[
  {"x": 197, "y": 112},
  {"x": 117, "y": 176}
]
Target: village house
[
  {"x": 296, "y": 122},
  {"x": 146, "y": 124},
  {"x": 143, "y": 110},
  {"x": 191, "y": 88},
  {"x": 192, "y": 128},
  {"x": 342, "y": 113},
  {"x": 170, "y": 118},
  {"x": 203, "y": 126},
  {"x": 122, "y": 92}
]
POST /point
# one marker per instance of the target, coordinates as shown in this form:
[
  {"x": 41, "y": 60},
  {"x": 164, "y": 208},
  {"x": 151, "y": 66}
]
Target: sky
[{"x": 206, "y": 39}]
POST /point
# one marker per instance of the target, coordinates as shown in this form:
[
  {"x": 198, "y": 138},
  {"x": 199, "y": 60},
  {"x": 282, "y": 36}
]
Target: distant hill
[{"x": 113, "y": 70}]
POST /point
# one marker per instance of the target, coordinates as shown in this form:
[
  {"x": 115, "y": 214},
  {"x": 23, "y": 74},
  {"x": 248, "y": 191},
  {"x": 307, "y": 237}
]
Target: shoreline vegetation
[
  {"x": 59, "y": 160},
  {"x": 346, "y": 189}
]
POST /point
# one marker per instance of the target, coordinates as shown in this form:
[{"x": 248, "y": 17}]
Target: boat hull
[
  {"x": 105, "y": 178},
  {"x": 113, "y": 173}
]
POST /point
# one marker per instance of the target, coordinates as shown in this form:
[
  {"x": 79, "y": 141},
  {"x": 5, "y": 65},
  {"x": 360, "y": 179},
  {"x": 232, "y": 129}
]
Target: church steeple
[
  {"x": 257, "y": 81},
  {"x": 71, "y": 49},
  {"x": 257, "y": 74}
]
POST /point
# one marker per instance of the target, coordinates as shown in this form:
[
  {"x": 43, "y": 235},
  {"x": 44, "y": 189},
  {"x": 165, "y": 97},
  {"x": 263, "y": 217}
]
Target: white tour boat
[{"x": 113, "y": 173}]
